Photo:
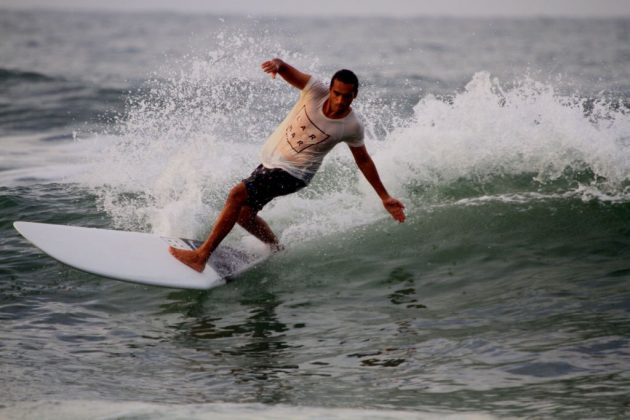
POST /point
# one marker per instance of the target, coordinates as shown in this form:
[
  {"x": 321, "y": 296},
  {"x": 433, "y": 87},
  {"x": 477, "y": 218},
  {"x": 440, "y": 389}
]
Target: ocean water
[{"x": 506, "y": 293}]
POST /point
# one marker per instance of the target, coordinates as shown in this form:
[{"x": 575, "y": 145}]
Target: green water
[{"x": 514, "y": 309}]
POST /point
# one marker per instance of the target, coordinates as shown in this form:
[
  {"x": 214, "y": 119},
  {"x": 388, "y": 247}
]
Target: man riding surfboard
[{"x": 322, "y": 118}]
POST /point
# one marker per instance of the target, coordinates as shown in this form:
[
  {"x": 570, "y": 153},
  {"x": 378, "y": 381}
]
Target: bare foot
[{"x": 191, "y": 258}]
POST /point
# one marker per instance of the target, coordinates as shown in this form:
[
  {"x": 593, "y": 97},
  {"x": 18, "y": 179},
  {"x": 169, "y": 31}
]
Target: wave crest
[{"x": 528, "y": 133}]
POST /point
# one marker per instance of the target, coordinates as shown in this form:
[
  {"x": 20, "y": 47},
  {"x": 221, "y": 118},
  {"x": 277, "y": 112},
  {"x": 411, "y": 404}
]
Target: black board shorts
[{"x": 265, "y": 184}]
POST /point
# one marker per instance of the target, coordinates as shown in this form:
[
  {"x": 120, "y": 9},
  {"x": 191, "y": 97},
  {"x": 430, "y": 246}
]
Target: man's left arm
[{"x": 367, "y": 167}]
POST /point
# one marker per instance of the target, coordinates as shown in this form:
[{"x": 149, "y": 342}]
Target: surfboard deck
[{"x": 135, "y": 257}]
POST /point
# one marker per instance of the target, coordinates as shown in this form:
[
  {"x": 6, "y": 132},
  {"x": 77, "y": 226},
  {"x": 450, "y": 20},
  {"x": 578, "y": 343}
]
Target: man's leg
[
  {"x": 196, "y": 259},
  {"x": 254, "y": 224}
]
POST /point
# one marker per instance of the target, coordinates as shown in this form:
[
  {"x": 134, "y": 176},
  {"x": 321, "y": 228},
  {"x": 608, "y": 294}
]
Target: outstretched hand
[
  {"x": 290, "y": 74},
  {"x": 395, "y": 208},
  {"x": 272, "y": 67}
]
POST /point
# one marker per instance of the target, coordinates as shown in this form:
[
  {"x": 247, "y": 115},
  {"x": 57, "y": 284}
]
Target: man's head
[
  {"x": 348, "y": 77},
  {"x": 344, "y": 87}
]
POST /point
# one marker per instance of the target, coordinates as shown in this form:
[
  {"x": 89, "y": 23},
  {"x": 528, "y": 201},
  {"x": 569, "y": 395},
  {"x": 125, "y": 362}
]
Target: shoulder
[
  {"x": 354, "y": 122},
  {"x": 314, "y": 87},
  {"x": 354, "y": 131}
]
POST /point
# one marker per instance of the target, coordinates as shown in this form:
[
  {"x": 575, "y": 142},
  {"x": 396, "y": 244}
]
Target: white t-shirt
[{"x": 306, "y": 135}]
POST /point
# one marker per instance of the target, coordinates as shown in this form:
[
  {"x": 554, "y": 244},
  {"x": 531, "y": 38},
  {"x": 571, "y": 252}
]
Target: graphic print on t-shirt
[{"x": 302, "y": 133}]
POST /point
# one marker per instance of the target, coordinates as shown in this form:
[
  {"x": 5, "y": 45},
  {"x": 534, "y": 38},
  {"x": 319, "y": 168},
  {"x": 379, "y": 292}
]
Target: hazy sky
[{"x": 579, "y": 8}]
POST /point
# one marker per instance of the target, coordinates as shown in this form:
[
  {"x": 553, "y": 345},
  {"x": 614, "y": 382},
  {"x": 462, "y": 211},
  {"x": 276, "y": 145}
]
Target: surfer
[{"x": 322, "y": 118}]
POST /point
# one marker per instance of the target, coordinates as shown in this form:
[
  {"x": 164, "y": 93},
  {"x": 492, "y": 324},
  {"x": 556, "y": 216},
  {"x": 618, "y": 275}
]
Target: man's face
[{"x": 340, "y": 97}]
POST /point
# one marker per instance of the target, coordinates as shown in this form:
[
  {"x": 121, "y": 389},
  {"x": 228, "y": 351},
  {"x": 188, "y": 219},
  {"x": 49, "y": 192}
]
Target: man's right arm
[{"x": 289, "y": 73}]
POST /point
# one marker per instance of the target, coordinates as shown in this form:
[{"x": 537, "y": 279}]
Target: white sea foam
[
  {"x": 486, "y": 131},
  {"x": 33, "y": 159},
  {"x": 218, "y": 411},
  {"x": 198, "y": 132}
]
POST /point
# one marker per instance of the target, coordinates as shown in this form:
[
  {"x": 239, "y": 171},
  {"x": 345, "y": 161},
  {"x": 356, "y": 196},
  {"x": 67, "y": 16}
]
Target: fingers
[
  {"x": 396, "y": 209},
  {"x": 270, "y": 67},
  {"x": 398, "y": 214}
]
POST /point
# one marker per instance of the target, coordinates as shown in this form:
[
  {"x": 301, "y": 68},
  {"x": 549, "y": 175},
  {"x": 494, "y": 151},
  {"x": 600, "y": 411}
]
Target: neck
[{"x": 328, "y": 112}]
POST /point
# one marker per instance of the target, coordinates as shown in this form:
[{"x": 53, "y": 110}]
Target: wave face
[
  {"x": 505, "y": 293},
  {"x": 193, "y": 136}
]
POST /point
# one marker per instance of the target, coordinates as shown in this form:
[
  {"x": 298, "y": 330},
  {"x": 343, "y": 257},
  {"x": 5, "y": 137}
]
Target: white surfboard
[{"x": 134, "y": 257}]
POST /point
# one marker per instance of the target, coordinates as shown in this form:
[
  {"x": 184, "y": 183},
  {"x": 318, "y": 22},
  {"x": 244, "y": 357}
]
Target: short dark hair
[{"x": 347, "y": 76}]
